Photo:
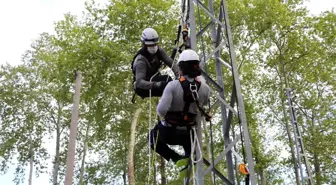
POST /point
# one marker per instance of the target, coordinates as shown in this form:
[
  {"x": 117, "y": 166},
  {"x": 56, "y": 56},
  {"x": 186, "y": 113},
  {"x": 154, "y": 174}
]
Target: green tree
[{"x": 22, "y": 128}]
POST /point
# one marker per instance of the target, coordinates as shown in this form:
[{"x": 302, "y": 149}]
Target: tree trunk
[
  {"x": 57, "y": 156},
  {"x": 262, "y": 177},
  {"x": 154, "y": 177},
  {"x": 58, "y": 139},
  {"x": 125, "y": 164},
  {"x": 258, "y": 170},
  {"x": 317, "y": 164},
  {"x": 163, "y": 171},
  {"x": 131, "y": 177},
  {"x": 124, "y": 177},
  {"x": 70, "y": 160},
  {"x": 81, "y": 176},
  {"x": 31, "y": 165},
  {"x": 317, "y": 169}
]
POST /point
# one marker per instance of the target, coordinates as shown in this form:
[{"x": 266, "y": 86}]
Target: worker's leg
[
  {"x": 159, "y": 138},
  {"x": 183, "y": 139}
]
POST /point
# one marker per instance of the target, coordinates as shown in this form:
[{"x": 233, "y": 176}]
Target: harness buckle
[{"x": 193, "y": 89}]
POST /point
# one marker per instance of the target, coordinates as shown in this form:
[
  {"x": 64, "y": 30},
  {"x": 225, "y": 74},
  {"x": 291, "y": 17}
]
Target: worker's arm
[
  {"x": 140, "y": 68},
  {"x": 207, "y": 94},
  {"x": 166, "y": 100},
  {"x": 168, "y": 61},
  {"x": 205, "y": 103}
]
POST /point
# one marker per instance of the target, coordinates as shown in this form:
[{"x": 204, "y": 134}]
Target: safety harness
[
  {"x": 152, "y": 67},
  {"x": 190, "y": 95}
]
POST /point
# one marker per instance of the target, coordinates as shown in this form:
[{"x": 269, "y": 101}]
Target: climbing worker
[
  {"x": 146, "y": 64},
  {"x": 179, "y": 105}
]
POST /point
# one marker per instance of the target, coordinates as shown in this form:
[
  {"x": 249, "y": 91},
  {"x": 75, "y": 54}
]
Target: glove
[{"x": 160, "y": 85}]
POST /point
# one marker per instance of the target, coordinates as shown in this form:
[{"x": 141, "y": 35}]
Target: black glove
[{"x": 160, "y": 85}]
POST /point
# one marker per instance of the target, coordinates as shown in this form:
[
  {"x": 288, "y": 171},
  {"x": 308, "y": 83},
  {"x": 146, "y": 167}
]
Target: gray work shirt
[
  {"x": 140, "y": 67},
  {"x": 172, "y": 98}
]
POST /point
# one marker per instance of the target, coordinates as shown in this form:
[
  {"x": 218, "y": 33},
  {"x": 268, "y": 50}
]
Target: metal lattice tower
[
  {"x": 220, "y": 28},
  {"x": 300, "y": 151}
]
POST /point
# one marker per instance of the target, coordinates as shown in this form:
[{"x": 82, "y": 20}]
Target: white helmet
[
  {"x": 188, "y": 55},
  {"x": 149, "y": 36},
  {"x": 189, "y": 63}
]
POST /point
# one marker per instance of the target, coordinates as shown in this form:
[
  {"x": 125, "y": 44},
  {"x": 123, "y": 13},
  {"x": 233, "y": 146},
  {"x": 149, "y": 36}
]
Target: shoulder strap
[
  {"x": 140, "y": 51},
  {"x": 188, "y": 98},
  {"x": 187, "y": 94},
  {"x": 132, "y": 64},
  {"x": 149, "y": 64}
]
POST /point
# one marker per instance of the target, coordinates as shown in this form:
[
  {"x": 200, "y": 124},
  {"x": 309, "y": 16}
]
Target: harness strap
[
  {"x": 185, "y": 110},
  {"x": 206, "y": 115},
  {"x": 188, "y": 94},
  {"x": 149, "y": 58},
  {"x": 150, "y": 68},
  {"x": 195, "y": 98}
]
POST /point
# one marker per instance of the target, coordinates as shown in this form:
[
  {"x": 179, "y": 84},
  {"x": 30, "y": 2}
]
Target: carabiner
[{"x": 193, "y": 89}]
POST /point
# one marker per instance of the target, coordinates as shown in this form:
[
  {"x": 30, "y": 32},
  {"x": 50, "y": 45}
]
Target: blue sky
[{"x": 23, "y": 20}]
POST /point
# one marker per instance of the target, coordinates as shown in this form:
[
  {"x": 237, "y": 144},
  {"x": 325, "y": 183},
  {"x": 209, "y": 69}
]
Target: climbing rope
[
  {"x": 202, "y": 42},
  {"x": 194, "y": 141},
  {"x": 185, "y": 25},
  {"x": 185, "y": 30},
  {"x": 149, "y": 129},
  {"x": 154, "y": 158},
  {"x": 151, "y": 162}
]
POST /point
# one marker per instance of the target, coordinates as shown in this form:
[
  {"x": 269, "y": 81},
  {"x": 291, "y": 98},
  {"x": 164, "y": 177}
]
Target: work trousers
[{"x": 161, "y": 136}]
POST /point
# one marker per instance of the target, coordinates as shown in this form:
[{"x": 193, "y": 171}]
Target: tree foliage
[{"x": 278, "y": 46}]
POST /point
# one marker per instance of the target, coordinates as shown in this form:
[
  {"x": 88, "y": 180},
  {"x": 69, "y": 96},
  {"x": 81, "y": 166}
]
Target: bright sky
[{"x": 23, "y": 20}]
